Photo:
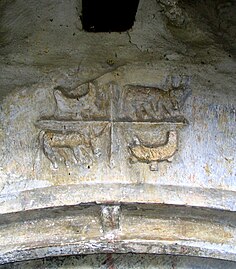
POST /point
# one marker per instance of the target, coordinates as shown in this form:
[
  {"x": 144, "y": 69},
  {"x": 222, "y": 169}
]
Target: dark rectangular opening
[{"x": 108, "y": 15}]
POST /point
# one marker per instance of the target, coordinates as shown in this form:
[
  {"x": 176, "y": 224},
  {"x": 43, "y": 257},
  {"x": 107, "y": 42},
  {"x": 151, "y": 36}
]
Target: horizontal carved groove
[{"x": 47, "y": 124}]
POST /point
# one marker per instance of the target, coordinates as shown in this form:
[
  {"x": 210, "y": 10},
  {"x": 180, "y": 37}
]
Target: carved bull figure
[{"x": 153, "y": 104}]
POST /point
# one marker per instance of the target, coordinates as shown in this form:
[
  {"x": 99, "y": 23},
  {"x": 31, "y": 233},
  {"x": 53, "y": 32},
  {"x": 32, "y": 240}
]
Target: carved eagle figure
[{"x": 75, "y": 104}]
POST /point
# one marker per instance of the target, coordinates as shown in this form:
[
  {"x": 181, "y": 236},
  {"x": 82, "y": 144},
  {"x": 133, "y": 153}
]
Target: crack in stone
[{"x": 130, "y": 41}]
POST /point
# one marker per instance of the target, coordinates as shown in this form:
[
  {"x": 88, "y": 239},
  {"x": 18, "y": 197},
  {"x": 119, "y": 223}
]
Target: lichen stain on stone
[
  {"x": 172, "y": 230},
  {"x": 222, "y": 120},
  {"x": 46, "y": 231},
  {"x": 207, "y": 169}
]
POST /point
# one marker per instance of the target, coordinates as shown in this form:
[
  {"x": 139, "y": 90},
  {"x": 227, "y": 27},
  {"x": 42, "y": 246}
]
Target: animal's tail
[
  {"x": 41, "y": 139},
  {"x": 40, "y": 142}
]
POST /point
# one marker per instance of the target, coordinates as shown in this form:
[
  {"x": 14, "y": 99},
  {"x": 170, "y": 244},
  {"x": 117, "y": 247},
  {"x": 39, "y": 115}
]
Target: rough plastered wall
[
  {"x": 44, "y": 47},
  {"x": 94, "y": 124}
]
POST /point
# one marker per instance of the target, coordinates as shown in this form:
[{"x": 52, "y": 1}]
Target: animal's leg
[
  {"x": 82, "y": 155},
  {"x": 48, "y": 150},
  {"x": 140, "y": 111},
  {"x": 86, "y": 156},
  {"x": 133, "y": 160},
  {"x": 74, "y": 156},
  {"x": 50, "y": 154},
  {"x": 154, "y": 166},
  {"x": 68, "y": 156},
  {"x": 150, "y": 110},
  {"x": 170, "y": 159}
]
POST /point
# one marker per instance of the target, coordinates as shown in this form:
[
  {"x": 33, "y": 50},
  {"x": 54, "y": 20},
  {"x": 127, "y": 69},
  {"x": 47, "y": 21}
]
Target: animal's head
[
  {"x": 172, "y": 135},
  {"x": 179, "y": 91},
  {"x": 135, "y": 146},
  {"x": 77, "y": 93}
]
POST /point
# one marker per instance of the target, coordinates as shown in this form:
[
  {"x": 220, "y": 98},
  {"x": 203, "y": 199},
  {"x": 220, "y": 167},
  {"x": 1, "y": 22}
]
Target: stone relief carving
[
  {"x": 71, "y": 148},
  {"x": 149, "y": 105},
  {"x": 84, "y": 115},
  {"x": 88, "y": 101},
  {"x": 155, "y": 153},
  {"x": 140, "y": 103},
  {"x": 110, "y": 220}
]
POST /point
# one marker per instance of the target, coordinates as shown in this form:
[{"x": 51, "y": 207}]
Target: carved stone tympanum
[
  {"x": 120, "y": 145},
  {"x": 92, "y": 120}
]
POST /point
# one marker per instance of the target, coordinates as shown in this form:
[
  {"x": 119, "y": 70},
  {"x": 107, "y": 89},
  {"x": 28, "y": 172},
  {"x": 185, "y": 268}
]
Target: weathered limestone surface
[
  {"x": 126, "y": 261},
  {"x": 118, "y": 142}
]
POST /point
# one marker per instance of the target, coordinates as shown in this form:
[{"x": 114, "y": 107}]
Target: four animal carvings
[{"x": 132, "y": 104}]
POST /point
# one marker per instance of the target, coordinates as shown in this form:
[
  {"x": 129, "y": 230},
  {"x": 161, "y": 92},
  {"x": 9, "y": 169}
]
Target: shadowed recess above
[{"x": 108, "y": 16}]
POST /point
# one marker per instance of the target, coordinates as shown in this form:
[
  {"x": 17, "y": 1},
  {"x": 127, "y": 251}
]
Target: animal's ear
[
  {"x": 91, "y": 86},
  {"x": 58, "y": 95},
  {"x": 136, "y": 141},
  {"x": 58, "y": 88},
  {"x": 58, "y": 91}
]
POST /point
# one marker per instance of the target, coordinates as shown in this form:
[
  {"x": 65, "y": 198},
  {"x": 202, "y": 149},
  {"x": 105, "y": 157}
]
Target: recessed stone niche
[
  {"x": 117, "y": 141},
  {"x": 108, "y": 16}
]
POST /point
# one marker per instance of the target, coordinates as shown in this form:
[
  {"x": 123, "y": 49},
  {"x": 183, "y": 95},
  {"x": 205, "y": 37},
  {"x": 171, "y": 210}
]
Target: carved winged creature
[
  {"x": 76, "y": 104},
  {"x": 155, "y": 153}
]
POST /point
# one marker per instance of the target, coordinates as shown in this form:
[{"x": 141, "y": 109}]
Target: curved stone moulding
[
  {"x": 116, "y": 228},
  {"x": 120, "y": 247},
  {"x": 76, "y": 194}
]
